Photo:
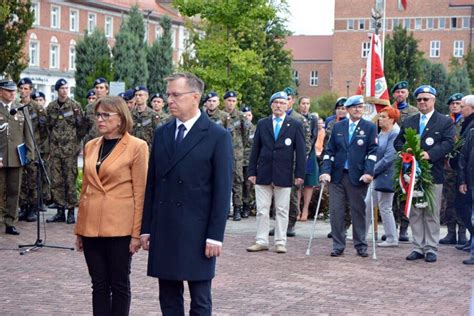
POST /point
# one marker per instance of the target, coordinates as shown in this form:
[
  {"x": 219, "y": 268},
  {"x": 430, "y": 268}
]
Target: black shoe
[
  {"x": 384, "y": 237},
  {"x": 337, "y": 252},
  {"x": 11, "y": 230},
  {"x": 31, "y": 217},
  {"x": 430, "y": 257},
  {"x": 449, "y": 239},
  {"x": 245, "y": 211},
  {"x": 415, "y": 256},
  {"x": 70, "y": 216},
  {"x": 467, "y": 249},
  {"x": 330, "y": 235},
  {"x": 469, "y": 261},
  {"x": 58, "y": 217},
  {"x": 290, "y": 231},
  {"x": 362, "y": 253},
  {"x": 466, "y": 245},
  {"x": 403, "y": 236},
  {"x": 462, "y": 239},
  {"x": 237, "y": 213},
  {"x": 271, "y": 232}
]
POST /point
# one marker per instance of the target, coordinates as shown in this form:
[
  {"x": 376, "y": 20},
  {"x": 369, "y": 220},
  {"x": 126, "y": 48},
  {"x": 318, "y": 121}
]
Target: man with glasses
[
  {"x": 145, "y": 120},
  {"x": 437, "y": 134},
  {"x": 67, "y": 126}
]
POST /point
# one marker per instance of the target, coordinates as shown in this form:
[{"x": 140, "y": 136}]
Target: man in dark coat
[{"x": 187, "y": 199}]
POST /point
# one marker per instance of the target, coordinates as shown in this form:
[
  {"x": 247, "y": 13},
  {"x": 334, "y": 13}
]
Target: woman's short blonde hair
[{"x": 117, "y": 105}]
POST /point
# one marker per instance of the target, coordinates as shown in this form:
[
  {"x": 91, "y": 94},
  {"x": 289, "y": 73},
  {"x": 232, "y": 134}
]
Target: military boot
[
  {"x": 290, "y": 231},
  {"x": 31, "y": 215},
  {"x": 245, "y": 211},
  {"x": 403, "y": 236},
  {"x": 58, "y": 217},
  {"x": 23, "y": 212},
  {"x": 450, "y": 238},
  {"x": 70, "y": 216},
  {"x": 237, "y": 213},
  {"x": 462, "y": 239}
]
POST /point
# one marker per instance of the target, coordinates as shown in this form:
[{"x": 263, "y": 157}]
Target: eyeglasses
[
  {"x": 176, "y": 95},
  {"x": 104, "y": 115},
  {"x": 423, "y": 99}
]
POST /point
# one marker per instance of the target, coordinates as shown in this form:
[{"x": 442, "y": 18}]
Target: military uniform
[
  {"x": 67, "y": 126},
  {"x": 144, "y": 124},
  {"x": 92, "y": 131},
  {"x": 248, "y": 193},
  {"x": 162, "y": 118},
  {"x": 406, "y": 111},
  {"x": 219, "y": 117}
]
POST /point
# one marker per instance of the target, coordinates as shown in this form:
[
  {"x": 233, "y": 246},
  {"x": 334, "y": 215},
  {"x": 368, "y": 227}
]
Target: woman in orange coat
[{"x": 110, "y": 210}]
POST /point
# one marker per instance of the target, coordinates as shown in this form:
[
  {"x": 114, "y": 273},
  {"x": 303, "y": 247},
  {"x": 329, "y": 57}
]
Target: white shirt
[
  {"x": 275, "y": 122},
  {"x": 428, "y": 116}
]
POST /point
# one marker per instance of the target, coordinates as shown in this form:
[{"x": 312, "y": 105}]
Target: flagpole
[{"x": 383, "y": 31}]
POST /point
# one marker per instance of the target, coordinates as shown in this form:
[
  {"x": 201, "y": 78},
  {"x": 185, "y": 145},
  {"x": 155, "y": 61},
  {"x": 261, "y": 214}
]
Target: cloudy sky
[{"x": 311, "y": 17}]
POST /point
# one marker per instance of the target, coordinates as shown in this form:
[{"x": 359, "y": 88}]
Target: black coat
[{"x": 466, "y": 160}]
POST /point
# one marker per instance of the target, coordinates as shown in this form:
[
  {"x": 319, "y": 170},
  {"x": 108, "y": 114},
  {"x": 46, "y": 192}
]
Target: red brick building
[{"x": 59, "y": 25}]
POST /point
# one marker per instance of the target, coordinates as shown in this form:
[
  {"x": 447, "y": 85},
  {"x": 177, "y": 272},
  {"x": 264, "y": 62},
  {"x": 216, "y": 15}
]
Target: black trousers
[
  {"x": 172, "y": 302},
  {"x": 108, "y": 260},
  {"x": 462, "y": 204}
]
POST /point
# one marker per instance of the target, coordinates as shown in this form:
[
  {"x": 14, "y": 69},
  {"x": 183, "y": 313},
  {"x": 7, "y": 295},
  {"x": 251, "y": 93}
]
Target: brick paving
[{"x": 56, "y": 282}]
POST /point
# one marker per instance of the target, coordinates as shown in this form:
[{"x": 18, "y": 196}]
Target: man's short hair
[
  {"x": 468, "y": 100},
  {"x": 193, "y": 82}
]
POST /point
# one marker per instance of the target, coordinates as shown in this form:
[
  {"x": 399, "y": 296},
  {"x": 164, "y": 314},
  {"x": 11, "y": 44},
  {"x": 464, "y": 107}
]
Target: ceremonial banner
[{"x": 402, "y": 5}]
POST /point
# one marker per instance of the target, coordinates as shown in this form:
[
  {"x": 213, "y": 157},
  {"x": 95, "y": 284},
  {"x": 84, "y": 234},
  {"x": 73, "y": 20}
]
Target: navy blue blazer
[
  {"x": 272, "y": 161},
  {"x": 437, "y": 140},
  {"x": 384, "y": 167},
  {"x": 187, "y": 199},
  {"x": 361, "y": 152}
]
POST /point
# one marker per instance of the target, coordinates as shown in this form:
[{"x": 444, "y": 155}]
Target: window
[
  {"x": 418, "y": 24},
  {"x": 313, "y": 78},
  {"x": 174, "y": 30},
  {"x": 73, "y": 20},
  {"x": 429, "y": 23},
  {"x": 435, "y": 49},
  {"x": 458, "y": 49},
  {"x": 35, "y": 8},
  {"x": 441, "y": 23},
  {"x": 33, "y": 52},
  {"x": 396, "y": 23},
  {"x": 158, "y": 32},
  {"x": 361, "y": 24},
  {"x": 388, "y": 24},
  {"x": 91, "y": 22},
  {"x": 350, "y": 24},
  {"x": 365, "y": 49},
  {"x": 109, "y": 26},
  {"x": 72, "y": 55},
  {"x": 54, "y": 53},
  {"x": 407, "y": 24},
  {"x": 331, "y": 78},
  {"x": 55, "y": 17},
  {"x": 466, "y": 23},
  {"x": 296, "y": 76},
  {"x": 454, "y": 23}
]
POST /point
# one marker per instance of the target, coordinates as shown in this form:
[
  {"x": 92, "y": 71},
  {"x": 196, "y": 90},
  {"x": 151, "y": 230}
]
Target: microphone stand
[{"x": 40, "y": 173}]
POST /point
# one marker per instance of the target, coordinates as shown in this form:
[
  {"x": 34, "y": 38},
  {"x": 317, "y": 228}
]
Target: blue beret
[
  {"x": 425, "y": 89},
  {"x": 289, "y": 91},
  {"x": 246, "y": 108},
  {"x": 230, "y": 94},
  {"x": 25, "y": 81},
  {"x": 61, "y": 82},
  {"x": 340, "y": 102},
  {"x": 278, "y": 95},
  {"x": 99, "y": 81},
  {"x": 354, "y": 100},
  {"x": 121, "y": 94},
  {"x": 141, "y": 88},
  {"x": 210, "y": 95},
  {"x": 129, "y": 94},
  {"x": 90, "y": 93},
  {"x": 6, "y": 84},
  {"x": 399, "y": 85},
  {"x": 38, "y": 94},
  {"x": 455, "y": 97},
  {"x": 158, "y": 95}
]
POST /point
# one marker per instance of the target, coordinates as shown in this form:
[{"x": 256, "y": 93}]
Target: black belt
[{"x": 345, "y": 171}]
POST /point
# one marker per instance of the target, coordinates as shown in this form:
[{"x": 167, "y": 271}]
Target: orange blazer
[{"x": 111, "y": 203}]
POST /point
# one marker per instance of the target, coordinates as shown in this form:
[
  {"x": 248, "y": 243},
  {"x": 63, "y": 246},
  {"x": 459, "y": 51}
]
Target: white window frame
[
  {"x": 458, "y": 49},
  {"x": 466, "y": 22},
  {"x": 296, "y": 75},
  {"x": 395, "y": 22},
  {"x": 313, "y": 78},
  {"x": 435, "y": 49},
  {"x": 109, "y": 26},
  {"x": 457, "y": 26},
  {"x": 418, "y": 24},
  {"x": 365, "y": 51},
  {"x": 428, "y": 20},
  {"x": 174, "y": 42},
  {"x": 35, "y": 8},
  {"x": 90, "y": 27},
  {"x": 72, "y": 55},
  {"x": 33, "y": 51},
  {"x": 350, "y": 25},
  {"x": 54, "y": 53},
  {"x": 441, "y": 26},
  {"x": 55, "y": 17},
  {"x": 158, "y": 31},
  {"x": 388, "y": 24},
  {"x": 362, "y": 24},
  {"x": 73, "y": 20},
  {"x": 407, "y": 23}
]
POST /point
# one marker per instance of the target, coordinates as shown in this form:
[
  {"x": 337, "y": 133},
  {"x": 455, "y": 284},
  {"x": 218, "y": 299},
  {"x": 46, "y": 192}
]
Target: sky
[{"x": 311, "y": 17}]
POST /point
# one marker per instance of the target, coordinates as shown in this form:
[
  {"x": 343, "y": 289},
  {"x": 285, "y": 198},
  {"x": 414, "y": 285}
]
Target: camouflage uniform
[
  {"x": 238, "y": 126},
  {"x": 92, "y": 131},
  {"x": 67, "y": 126},
  {"x": 162, "y": 118},
  {"x": 219, "y": 117},
  {"x": 144, "y": 124},
  {"x": 407, "y": 112},
  {"x": 248, "y": 192}
]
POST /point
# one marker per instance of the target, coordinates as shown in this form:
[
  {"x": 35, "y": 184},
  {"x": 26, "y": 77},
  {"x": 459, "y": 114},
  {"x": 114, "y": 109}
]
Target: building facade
[{"x": 59, "y": 25}]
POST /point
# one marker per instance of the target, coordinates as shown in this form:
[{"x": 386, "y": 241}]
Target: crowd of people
[{"x": 166, "y": 181}]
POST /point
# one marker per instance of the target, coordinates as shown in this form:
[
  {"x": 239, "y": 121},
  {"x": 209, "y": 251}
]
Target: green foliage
[
  {"x": 92, "y": 61},
  {"x": 80, "y": 175},
  {"x": 402, "y": 59},
  {"x": 16, "y": 19},
  {"x": 436, "y": 76},
  {"x": 160, "y": 58},
  {"x": 325, "y": 104},
  {"x": 458, "y": 80},
  {"x": 469, "y": 62},
  {"x": 136, "y": 24}
]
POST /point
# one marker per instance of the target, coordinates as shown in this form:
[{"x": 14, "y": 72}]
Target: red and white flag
[
  {"x": 402, "y": 5},
  {"x": 376, "y": 91}
]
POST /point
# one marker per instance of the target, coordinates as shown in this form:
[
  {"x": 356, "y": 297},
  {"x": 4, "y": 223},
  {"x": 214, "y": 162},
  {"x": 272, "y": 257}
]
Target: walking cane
[
  {"x": 371, "y": 190},
  {"x": 308, "y": 251}
]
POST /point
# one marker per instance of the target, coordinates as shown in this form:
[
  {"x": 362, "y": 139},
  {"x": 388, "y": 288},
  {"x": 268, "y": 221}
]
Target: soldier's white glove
[{"x": 325, "y": 178}]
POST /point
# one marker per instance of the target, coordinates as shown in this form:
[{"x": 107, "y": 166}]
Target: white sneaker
[{"x": 387, "y": 244}]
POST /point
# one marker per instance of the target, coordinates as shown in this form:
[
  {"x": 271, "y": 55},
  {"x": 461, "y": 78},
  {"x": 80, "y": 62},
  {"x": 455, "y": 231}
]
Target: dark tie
[{"x": 180, "y": 136}]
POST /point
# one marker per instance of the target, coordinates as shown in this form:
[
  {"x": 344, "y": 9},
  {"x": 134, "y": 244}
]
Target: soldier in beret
[
  {"x": 91, "y": 96},
  {"x": 40, "y": 98},
  {"x": 211, "y": 107},
  {"x": 67, "y": 126},
  {"x": 101, "y": 89},
  {"x": 28, "y": 196},
  {"x": 13, "y": 132},
  {"x": 145, "y": 120},
  {"x": 157, "y": 103},
  {"x": 248, "y": 192},
  {"x": 129, "y": 97}
]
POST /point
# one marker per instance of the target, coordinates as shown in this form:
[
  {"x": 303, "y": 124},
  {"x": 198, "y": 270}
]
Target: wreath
[{"x": 413, "y": 179}]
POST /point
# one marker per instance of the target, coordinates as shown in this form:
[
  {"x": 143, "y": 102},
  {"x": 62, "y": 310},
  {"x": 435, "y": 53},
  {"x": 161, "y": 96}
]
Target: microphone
[{"x": 20, "y": 108}]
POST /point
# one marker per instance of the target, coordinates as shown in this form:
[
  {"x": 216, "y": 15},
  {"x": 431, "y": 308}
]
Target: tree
[
  {"x": 92, "y": 61},
  {"x": 402, "y": 59},
  {"x": 160, "y": 58},
  {"x": 325, "y": 104},
  {"x": 436, "y": 76},
  {"x": 469, "y": 62},
  {"x": 16, "y": 18},
  {"x": 458, "y": 80}
]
